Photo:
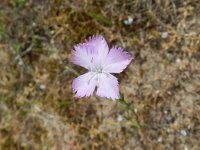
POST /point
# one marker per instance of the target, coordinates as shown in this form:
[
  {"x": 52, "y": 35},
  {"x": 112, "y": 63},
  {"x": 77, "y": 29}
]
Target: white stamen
[
  {"x": 92, "y": 60},
  {"x": 96, "y": 73}
]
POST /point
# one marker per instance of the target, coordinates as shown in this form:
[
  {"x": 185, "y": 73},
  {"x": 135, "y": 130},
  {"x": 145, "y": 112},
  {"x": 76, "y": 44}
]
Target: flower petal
[
  {"x": 100, "y": 44},
  {"x": 117, "y": 60},
  {"x": 84, "y": 85},
  {"x": 84, "y": 55},
  {"x": 108, "y": 86}
]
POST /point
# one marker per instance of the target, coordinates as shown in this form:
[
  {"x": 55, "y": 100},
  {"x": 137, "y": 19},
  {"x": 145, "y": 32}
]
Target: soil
[{"x": 160, "y": 105}]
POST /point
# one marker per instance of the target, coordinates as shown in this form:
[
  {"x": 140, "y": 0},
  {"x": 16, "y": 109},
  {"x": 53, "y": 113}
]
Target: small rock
[
  {"x": 170, "y": 130},
  {"x": 119, "y": 118},
  {"x": 178, "y": 60},
  {"x": 20, "y": 62},
  {"x": 160, "y": 139},
  {"x": 33, "y": 24},
  {"x": 169, "y": 92},
  {"x": 128, "y": 21},
  {"x": 186, "y": 148},
  {"x": 164, "y": 35},
  {"x": 183, "y": 132},
  {"x": 135, "y": 110},
  {"x": 42, "y": 87},
  {"x": 165, "y": 112}
]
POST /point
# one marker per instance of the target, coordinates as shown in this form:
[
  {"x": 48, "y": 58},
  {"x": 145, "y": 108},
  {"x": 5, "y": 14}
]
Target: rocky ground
[{"x": 161, "y": 87}]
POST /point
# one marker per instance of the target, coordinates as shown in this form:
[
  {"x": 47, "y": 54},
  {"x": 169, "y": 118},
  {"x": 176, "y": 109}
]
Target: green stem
[{"x": 130, "y": 108}]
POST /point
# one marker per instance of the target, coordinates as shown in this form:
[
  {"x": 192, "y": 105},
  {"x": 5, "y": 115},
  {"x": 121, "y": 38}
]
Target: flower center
[
  {"x": 96, "y": 76},
  {"x": 97, "y": 70}
]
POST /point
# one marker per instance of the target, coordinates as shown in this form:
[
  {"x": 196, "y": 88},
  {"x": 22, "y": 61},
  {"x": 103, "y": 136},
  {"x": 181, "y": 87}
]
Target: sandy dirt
[{"x": 161, "y": 87}]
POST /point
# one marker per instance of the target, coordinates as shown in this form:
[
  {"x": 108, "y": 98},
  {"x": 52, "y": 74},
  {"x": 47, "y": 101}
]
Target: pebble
[
  {"x": 164, "y": 35},
  {"x": 183, "y": 132},
  {"x": 128, "y": 21},
  {"x": 20, "y": 62},
  {"x": 169, "y": 93},
  {"x": 165, "y": 112},
  {"x": 135, "y": 110},
  {"x": 186, "y": 148},
  {"x": 178, "y": 60},
  {"x": 170, "y": 130},
  {"x": 119, "y": 118},
  {"x": 33, "y": 24},
  {"x": 42, "y": 87},
  {"x": 160, "y": 139}
]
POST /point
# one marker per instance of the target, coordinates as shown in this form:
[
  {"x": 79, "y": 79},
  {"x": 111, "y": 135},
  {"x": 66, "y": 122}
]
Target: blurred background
[{"x": 161, "y": 87}]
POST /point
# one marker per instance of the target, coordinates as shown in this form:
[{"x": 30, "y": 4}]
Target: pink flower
[{"x": 95, "y": 56}]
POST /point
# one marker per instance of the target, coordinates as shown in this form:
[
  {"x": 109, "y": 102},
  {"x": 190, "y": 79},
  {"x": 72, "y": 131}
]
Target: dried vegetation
[{"x": 162, "y": 84}]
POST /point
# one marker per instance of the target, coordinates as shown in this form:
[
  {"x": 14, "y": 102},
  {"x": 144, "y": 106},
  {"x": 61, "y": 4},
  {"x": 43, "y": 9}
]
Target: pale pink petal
[
  {"x": 84, "y": 55},
  {"x": 117, "y": 60},
  {"x": 99, "y": 43},
  {"x": 84, "y": 85},
  {"x": 107, "y": 86}
]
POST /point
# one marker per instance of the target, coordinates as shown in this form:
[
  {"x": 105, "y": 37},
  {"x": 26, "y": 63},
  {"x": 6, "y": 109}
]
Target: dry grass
[{"x": 162, "y": 84}]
